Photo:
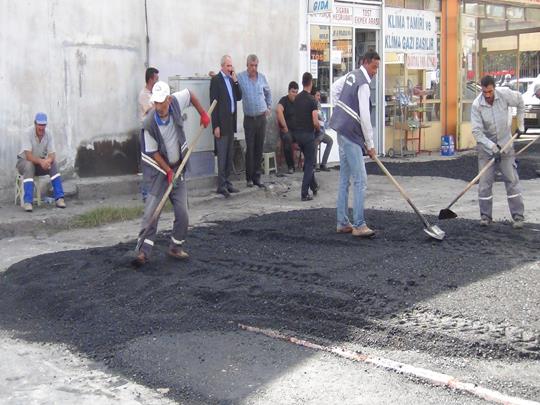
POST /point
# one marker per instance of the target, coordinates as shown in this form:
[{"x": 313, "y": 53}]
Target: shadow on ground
[
  {"x": 463, "y": 168},
  {"x": 174, "y": 324}
]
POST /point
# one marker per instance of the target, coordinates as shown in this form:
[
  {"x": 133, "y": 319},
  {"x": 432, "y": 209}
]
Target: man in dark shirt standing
[
  {"x": 306, "y": 118},
  {"x": 285, "y": 117}
]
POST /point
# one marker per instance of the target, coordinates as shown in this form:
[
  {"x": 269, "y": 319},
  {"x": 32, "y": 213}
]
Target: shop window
[
  {"x": 515, "y": 13},
  {"x": 342, "y": 51},
  {"x": 492, "y": 25},
  {"x": 495, "y": 11},
  {"x": 474, "y": 9},
  {"x": 432, "y": 5},
  {"x": 394, "y": 3},
  {"x": 414, "y": 4},
  {"x": 320, "y": 59}
]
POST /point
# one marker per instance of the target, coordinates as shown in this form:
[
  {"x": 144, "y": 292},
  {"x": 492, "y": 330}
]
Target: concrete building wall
[{"x": 83, "y": 62}]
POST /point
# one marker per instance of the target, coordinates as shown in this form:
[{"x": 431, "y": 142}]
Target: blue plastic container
[{"x": 447, "y": 145}]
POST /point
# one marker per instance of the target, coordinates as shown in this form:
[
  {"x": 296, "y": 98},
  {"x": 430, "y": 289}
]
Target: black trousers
[
  {"x": 287, "y": 141},
  {"x": 225, "y": 153},
  {"x": 306, "y": 142},
  {"x": 255, "y": 130}
]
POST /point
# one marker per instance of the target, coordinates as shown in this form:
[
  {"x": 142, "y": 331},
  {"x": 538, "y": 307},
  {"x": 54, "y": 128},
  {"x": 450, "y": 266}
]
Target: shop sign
[
  {"x": 420, "y": 61},
  {"x": 319, "y": 6},
  {"x": 410, "y": 31},
  {"x": 359, "y": 16}
]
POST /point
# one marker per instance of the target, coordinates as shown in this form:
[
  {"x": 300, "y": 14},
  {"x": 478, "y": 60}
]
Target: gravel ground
[
  {"x": 287, "y": 271},
  {"x": 464, "y": 167}
]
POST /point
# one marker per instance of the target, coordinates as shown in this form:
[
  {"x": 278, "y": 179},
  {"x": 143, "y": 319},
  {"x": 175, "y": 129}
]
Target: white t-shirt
[{"x": 168, "y": 131}]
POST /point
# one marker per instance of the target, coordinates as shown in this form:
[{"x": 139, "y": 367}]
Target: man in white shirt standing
[
  {"x": 351, "y": 120},
  {"x": 151, "y": 77}
]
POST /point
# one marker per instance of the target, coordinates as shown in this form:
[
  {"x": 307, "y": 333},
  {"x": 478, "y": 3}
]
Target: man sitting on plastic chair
[{"x": 37, "y": 158}]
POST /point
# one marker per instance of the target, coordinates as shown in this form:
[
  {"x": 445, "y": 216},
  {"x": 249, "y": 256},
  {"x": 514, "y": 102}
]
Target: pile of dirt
[
  {"x": 463, "y": 168},
  {"x": 287, "y": 271}
]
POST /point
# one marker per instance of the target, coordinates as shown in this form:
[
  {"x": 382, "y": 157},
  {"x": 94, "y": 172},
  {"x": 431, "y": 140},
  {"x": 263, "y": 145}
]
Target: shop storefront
[
  {"x": 499, "y": 38},
  {"x": 338, "y": 37},
  {"x": 412, "y": 43}
]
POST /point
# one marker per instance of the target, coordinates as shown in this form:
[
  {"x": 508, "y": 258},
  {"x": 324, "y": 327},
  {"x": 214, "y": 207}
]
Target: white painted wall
[{"x": 83, "y": 62}]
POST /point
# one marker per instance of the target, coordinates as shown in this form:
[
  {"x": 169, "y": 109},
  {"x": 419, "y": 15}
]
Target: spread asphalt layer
[
  {"x": 287, "y": 271},
  {"x": 464, "y": 167}
]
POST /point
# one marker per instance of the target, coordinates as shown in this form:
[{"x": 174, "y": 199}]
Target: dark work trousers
[
  {"x": 225, "y": 152},
  {"x": 306, "y": 142},
  {"x": 286, "y": 142},
  {"x": 254, "y": 129},
  {"x": 178, "y": 198}
]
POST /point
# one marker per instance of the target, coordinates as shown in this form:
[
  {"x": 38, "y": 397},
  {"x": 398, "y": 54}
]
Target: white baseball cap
[{"x": 160, "y": 91}]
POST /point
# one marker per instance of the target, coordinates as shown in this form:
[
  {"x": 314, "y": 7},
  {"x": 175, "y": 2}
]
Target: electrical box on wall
[{"x": 202, "y": 158}]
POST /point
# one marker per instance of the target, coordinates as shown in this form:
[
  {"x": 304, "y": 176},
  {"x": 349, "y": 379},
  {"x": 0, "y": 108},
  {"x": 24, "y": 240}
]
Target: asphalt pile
[
  {"x": 287, "y": 271},
  {"x": 464, "y": 167}
]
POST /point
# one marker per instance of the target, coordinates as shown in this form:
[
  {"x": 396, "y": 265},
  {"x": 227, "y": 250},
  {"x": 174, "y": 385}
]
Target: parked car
[{"x": 532, "y": 106}]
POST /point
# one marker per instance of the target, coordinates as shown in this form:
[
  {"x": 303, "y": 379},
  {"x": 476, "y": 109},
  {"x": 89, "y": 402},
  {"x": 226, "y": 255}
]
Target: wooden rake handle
[
  {"x": 192, "y": 145},
  {"x": 481, "y": 172},
  {"x": 401, "y": 190}
]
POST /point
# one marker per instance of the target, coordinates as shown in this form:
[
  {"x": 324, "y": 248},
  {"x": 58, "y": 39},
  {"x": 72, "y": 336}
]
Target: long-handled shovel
[
  {"x": 447, "y": 213},
  {"x": 432, "y": 230},
  {"x": 192, "y": 145}
]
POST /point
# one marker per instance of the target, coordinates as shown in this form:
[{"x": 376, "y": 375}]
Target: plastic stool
[
  {"x": 269, "y": 162},
  {"x": 19, "y": 190}
]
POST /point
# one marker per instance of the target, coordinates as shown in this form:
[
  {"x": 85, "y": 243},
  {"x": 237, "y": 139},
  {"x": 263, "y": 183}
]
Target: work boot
[
  {"x": 60, "y": 203},
  {"x": 362, "y": 231},
  {"x": 307, "y": 198},
  {"x": 344, "y": 229},
  {"x": 324, "y": 168},
  {"x": 485, "y": 220},
  {"x": 518, "y": 222},
  {"x": 178, "y": 253},
  {"x": 139, "y": 260},
  {"x": 28, "y": 207}
]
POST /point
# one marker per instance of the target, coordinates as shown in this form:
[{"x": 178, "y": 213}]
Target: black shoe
[
  {"x": 225, "y": 193},
  {"x": 323, "y": 168},
  {"x": 259, "y": 184},
  {"x": 249, "y": 183},
  {"x": 307, "y": 198},
  {"x": 232, "y": 189}
]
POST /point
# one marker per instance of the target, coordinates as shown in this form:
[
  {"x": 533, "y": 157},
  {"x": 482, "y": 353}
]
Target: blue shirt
[
  {"x": 256, "y": 95},
  {"x": 229, "y": 89}
]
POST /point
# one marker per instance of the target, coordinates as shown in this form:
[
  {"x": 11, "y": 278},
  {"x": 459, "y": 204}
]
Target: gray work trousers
[
  {"x": 254, "y": 131},
  {"x": 178, "y": 198},
  {"x": 28, "y": 169},
  {"x": 507, "y": 166}
]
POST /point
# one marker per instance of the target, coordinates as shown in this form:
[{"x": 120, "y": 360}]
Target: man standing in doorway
[
  {"x": 225, "y": 89},
  {"x": 257, "y": 103},
  {"x": 306, "y": 118},
  {"x": 492, "y": 129},
  {"x": 352, "y": 122},
  {"x": 285, "y": 117}
]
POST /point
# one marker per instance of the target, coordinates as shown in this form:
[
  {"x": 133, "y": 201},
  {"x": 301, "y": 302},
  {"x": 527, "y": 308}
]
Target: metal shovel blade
[
  {"x": 447, "y": 213},
  {"x": 435, "y": 232}
]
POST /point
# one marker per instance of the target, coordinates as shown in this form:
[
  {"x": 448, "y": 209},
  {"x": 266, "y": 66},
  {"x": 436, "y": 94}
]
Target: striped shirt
[{"x": 256, "y": 94}]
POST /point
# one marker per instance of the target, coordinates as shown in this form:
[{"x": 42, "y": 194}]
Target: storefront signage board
[
  {"x": 358, "y": 16},
  {"x": 410, "y": 31},
  {"x": 319, "y": 6},
  {"x": 421, "y": 61}
]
